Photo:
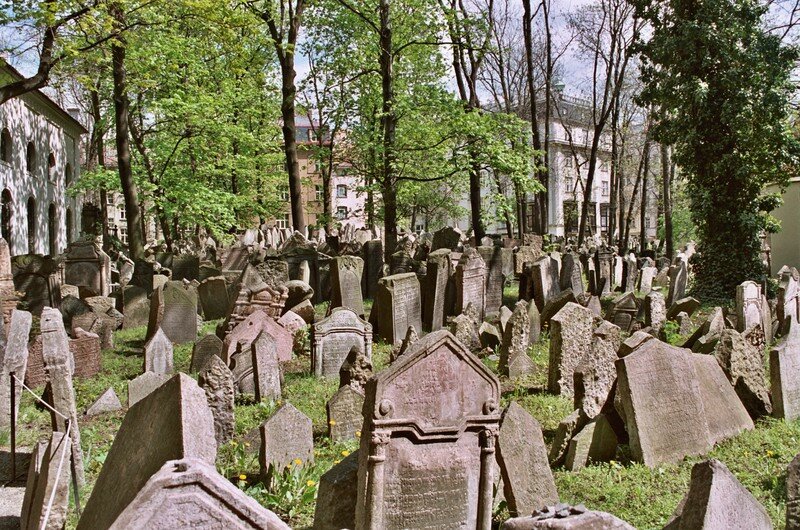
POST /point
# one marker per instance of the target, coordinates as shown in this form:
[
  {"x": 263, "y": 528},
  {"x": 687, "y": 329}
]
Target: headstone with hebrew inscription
[
  {"x": 470, "y": 281},
  {"x": 398, "y": 305},
  {"x": 344, "y": 413},
  {"x": 428, "y": 445},
  {"x": 334, "y": 337},
  {"x": 570, "y": 342},
  {"x": 346, "y": 274},
  {"x": 216, "y": 380},
  {"x": 435, "y": 308},
  {"x": 285, "y": 437},
  {"x": 494, "y": 258},
  {"x": 158, "y": 354}
]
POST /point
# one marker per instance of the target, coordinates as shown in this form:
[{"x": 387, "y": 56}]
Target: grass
[{"x": 644, "y": 497}]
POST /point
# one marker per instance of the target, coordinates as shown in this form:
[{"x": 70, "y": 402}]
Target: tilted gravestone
[
  {"x": 185, "y": 267},
  {"x": 522, "y": 455},
  {"x": 435, "y": 308},
  {"x": 46, "y": 501},
  {"x": 571, "y": 275},
  {"x": 143, "y": 385},
  {"x": 238, "y": 341},
  {"x": 494, "y": 258},
  {"x": 373, "y": 267},
  {"x": 595, "y": 442},
  {"x": 173, "y": 308},
  {"x": 570, "y": 341},
  {"x": 216, "y": 380},
  {"x": 203, "y": 350},
  {"x": 135, "y": 307},
  {"x": 646, "y": 277},
  {"x": 158, "y": 355},
  {"x": 743, "y": 365},
  {"x": 516, "y": 337},
  {"x": 623, "y": 311},
  {"x": 398, "y": 305},
  {"x": 285, "y": 437},
  {"x": 678, "y": 278},
  {"x": 87, "y": 266},
  {"x": 214, "y": 297},
  {"x": 171, "y": 423},
  {"x": 334, "y": 337},
  {"x": 544, "y": 279},
  {"x": 793, "y": 494},
  {"x": 788, "y": 306},
  {"x": 190, "y": 493},
  {"x": 470, "y": 281},
  {"x": 60, "y": 366},
  {"x": 346, "y": 274},
  {"x": 14, "y": 350},
  {"x": 266, "y": 369},
  {"x": 344, "y": 413},
  {"x": 595, "y": 375},
  {"x": 427, "y": 455},
  {"x": 784, "y": 371},
  {"x": 336, "y": 496}
]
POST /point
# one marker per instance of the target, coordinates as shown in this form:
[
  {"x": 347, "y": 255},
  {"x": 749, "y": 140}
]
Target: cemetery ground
[{"x": 644, "y": 497}]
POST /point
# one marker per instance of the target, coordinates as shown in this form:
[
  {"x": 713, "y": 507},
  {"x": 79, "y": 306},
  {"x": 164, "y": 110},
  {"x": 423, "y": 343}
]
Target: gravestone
[
  {"x": 38, "y": 279},
  {"x": 646, "y": 277},
  {"x": 60, "y": 365},
  {"x": 216, "y": 380},
  {"x": 333, "y": 338},
  {"x": 344, "y": 414},
  {"x": 595, "y": 375},
  {"x": 427, "y": 454},
  {"x": 571, "y": 276},
  {"x": 135, "y": 307},
  {"x": 14, "y": 350},
  {"x": 544, "y": 281},
  {"x": 173, "y": 308},
  {"x": 655, "y": 311},
  {"x": 188, "y": 494},
  {"x": 87, "y": 266},
  {"x": 285, "y": 437},
  {"x": 596, "y": 442},
  {"x": 784, "y": 370},
  {"x": 185, "y": 267},
  {"x": 100, "y": 324},
  {"x": 448, "y": 238},
  {"x": 143, "y": 272},
  {"x": 724, "y": 412},
  {"x": 214, "y": 300},
  {"x": 525, "y": 254},
  {"x": 107, "y": 402},
  {"x": 203, "y": 350},
  {"x": 242, "y": 336},
  {"x": 630, "y": 273},
  {"x": 516, "y": 337},
  {"x": 397, "y": 306},
  {"x": 143, "y": 385},
  {"x": 336, "y": 496},
  {"x": 570, "y": 341},
  {"x": 46, "y": 502},
  {"x": 434, "y": 308},
  {"x": 623, "y": 311},
  {"x": 470, "y": 280},
  {"x": 274, "y": 272},
  {"x": 522, "y": 455},
  {"x": 356, "y": 370},
  {"x": 493, "y": 257},
  {"x": 158, "y": 354},
  {"x": 373, "y": 267},
  {"x": 788, "y": 305},
  {"x": 793, "y": 494},
  {"x": 604, "y": 259},
  {"x": 266, "y": 369},
  {"x": 565, "y": 517},
  {"x": 346, "y": 274},
  {"x": 743, "y": 365},
  {"x": 717, "y": 500},
  {"x": 619, "y": 272},
  {"x": 173, "y": 422},
  {"x": 748, "y": 306},
  {"x": 678, "y": 277}
]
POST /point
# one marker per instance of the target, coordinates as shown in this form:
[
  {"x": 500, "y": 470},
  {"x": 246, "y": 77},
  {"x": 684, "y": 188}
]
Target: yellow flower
[
  {"x": 298, "y": 462},
  {"x": 310, "y": 483},
  {"x": 242, "y": 477},
  {"x": 345, "y": 453},
  {"x": 234, "y": 443},
  {"x": 336, "y": 461},
  {"x": 770, "y": 453},
  {"x": 332, "y": 422},
  {"x": 247, "y": 444},
  {"x": 358, "y": 434}
]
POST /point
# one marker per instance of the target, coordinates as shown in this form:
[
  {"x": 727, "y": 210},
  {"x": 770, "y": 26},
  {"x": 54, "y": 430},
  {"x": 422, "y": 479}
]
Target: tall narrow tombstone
[
  {"x": 285, "y": 437},
  {"x": 14, "y": 350},
  {"x": 49, "y": 500},
  {"x": 143, "y": 276},
  {"x": 434, "y": 308},
  {"x": 525, "y": 254},
  {"x": 595, "y": 375},
  {"x": 179, "y": 319},
  {"x": 345, "y": 418},
  {"x": 334, "y": 337},
  {"x": 493, "y": 256},
  {"x": 158, "y": 355},
  {"x": 544, "y": 281},
  {"x": 516, "y": 337},
  {"x": 571, "y": 275},
  {"x": 655, "y": 311},
  {"x": 8, "y": 296},
  {"x": 216, "y": 380},
  {"x": 788, "y": 306},
  {"x": 87, "y": 266},
  {"x": 346, "y": 274},
  {"x": 203, "y": 350},
  {"x": 471, "y": 281},
  {"x": 678, "y": 277},
  {"x": 748, "y": 306},
  {"x": 60, "y": 366},
  {"x": 171, "y": 423},
  {"x": 398, "y": 305},
  {"x": 266, "y": 367},
  {"x": 570, "y": 341},
  {"x": 604, "y": 260},
  {"x": 646, "y": 277},
  {"x": 426, "y": 458},
  {"x": 135, "y": 307},
  {"x": 630, "y": 272},
  {"x": 373, "y": 267},
  {"x": 336, "y": 496},
  {"x": 784, "y": 371},
  {"x": 214, "y": 300}
]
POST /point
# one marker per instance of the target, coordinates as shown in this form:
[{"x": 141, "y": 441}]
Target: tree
[{"x": 723, "y": 87}]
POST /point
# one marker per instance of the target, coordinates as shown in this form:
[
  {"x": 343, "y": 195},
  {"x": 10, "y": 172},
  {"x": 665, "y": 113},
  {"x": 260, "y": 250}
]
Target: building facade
[{"x": 39, "y": 158}]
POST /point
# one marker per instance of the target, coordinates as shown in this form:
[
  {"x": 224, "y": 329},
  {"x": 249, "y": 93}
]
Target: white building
[{"x": 39, "y": 158}]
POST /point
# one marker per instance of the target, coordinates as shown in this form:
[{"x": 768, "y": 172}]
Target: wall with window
[{"x": 39, "y": 157}]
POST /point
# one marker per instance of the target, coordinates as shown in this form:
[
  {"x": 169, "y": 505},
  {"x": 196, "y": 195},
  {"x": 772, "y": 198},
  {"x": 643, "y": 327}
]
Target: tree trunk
[
  {"x": 666, "y": 174},
  {"x": 587, "y": 190},
  {"x": 389, "y": 131},
  {"x": 478, "y": 230},
  {"x": 539, "y": 199},
  {"x": 121, "y": 106},
  {"x": 288, "y": 92},
  {"x": 644, "y": 165},
  {"x": 643, "y": 207}
]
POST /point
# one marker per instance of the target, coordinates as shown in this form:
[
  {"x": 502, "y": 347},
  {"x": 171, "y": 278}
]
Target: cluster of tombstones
[{"x": 436, "y": 449}]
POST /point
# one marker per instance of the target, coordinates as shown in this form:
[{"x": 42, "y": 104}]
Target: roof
[{"x": 43, "y": 98}]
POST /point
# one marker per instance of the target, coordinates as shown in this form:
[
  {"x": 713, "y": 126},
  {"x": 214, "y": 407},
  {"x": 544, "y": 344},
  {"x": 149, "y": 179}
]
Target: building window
[
  {"x": 5, "y": 146},
  {"x": 568, "y": 184},
  {"x": 123, "y": 235},
  {"x": 30, "y": 158},
  {"x": 604, "y": 188},
  {"x": 341, "y": 191},
  {"x": 284, "y": 192},
  {"x": 604, "y": 217},
  {"x": 282, "y": 222},
  {"x": 320, "y": 193},
  {"x": 51, "y": 166},
  {"x": 122, "y": 213},
  {"x": 603, "y": 167},
  {"x": 31, "y": 211},
  {"x": 341, "y": 213},
  {"x": 110, "y": 199}
]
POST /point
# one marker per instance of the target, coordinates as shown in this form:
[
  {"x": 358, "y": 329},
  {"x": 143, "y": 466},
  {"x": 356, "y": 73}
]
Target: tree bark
[
  {"x": 540, "y": 199},
  {"x": 666, "y": 175},
  {"x": 121, "y": 112},
  {"x": 643, "y": 207},
  {"x": 388, "y": 130}
]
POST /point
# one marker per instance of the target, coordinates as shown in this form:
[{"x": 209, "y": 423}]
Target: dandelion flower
[
  {"x": 242, "y": 477},
  {"x": 345, "y": 453},
  {"x": 332, "y": 422},
  {"x": 358, "y": 434},
  {"x": 310, "y": 483},
  {"x": 247, "y": 444},
  {"x": 336, "y": 461},
  {"x": 298, "y": 462}
]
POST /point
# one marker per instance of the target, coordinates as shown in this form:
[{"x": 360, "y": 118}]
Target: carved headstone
[
  {"x": 470, "y": 281},
  {"x": 216, "y": 380},
  {"x": 143, "y": 385},
  {"x": 334, "y": 336},
  {"x": 570, "y": 341},
  {"x": 493, "y": 257},
  {"x": 266, "y": 369},
  {"x": 158, "y": 355},
  {"x": 214, "y": 297},
  {"x": 346, "y": 274},
  {"x": 286, "y": 436},
  {"x": 344, "y": 413},
  {"x": 398, "y": 306},
  {"x": 748, "y": 306},
  {"x": 173, "y": 308},
  {"x": 435, "y": 309},
  {"x": 203, "y": 350},
  {"x": 87, "y": 266},
  {"x": 14, "y": 350},
  {"x": 784, "y": 371}
]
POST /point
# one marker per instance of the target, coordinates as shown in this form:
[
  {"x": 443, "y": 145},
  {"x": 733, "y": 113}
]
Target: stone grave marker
[
  {"x": 516, "y": 337},
  {"x": 336, "y": 496},
  {"x": 784, "y": 370},
  {"x": 646, "y": 277},
  {"x": 143, "y": 385},
  {"x": 570, "y": 341},
  {"x": 427, "y": 454},
  {"x": 397, "y": 306},
  {"x": 346, "y": 274},
  {"x": 793, "y": 494},
  {"x": 571, "y": 276},
  {"x": 344, "y": 414},
  {"x": 595, "y": 375},
  {"x": 14, "y": 350},
  {"x": 203, "y": 350},
  {"x": 242, "y": 336},
  {"x": 49, "y": 484},
  {"x": 135, "y": 307},
  {"x": 788, "y": 305},
  {"x": 214, "y": 300},
  {"x": 216, "y": 380},
  {"x": 286, "y": 436},
  {"x": 596, "y": 442},
  {"x": 470, "y": 280},
  {"x": 743, "y": 365},
  {"x": 87, "y": 266},
  {"x": 107, "y": 402},
  {"x": 373, "y": 267},
  {"x": 185, "y": 267},
  {"x": 494, "y": 257},
  {"x": 655, "y": 310},
  {"x": 748, "y": 306},
  {"x": 545, "y": 281},
  {"x": 434, "y": 308},
  {"x": 334, "y": 337},
  {"x": 173, "y": 308},
  {"x": 266, "y": 369},
  {"x": 678, "y": 277},
  {"x": 158, "y": 355},
  {"x": 630, "y": 273}
]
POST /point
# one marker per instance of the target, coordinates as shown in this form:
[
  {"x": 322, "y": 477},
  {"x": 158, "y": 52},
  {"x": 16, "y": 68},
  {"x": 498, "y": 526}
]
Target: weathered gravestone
[
  {"x": 173, "y": 308},
  {"x": 525, "y": 254},
  {"x": 373, "y": 267},
  {"x": 570, "y": 342},
  {"x": 655, "y": 311},
  {"x": 522, "y": 455},
  {"x": 266, "y": 370},
  {"x": 243, "y": 335},
  {"x": 717, "y": 501},
  {"x": 397, "y": 306},
  {"x": 107, "y": 402},
  {"x": 14, "y": 350},
  {"x": 435, "y": 308},
  {"x": 793, "y": 494},
  {"x": 571, "y": 276},
  {"x": 623, "y": 311},
  {"x": 100, "y": 324},
  {"x": 678, "y": 278},
  {"x": 203, "y": 350},
  {"x": 448, "y": 237},
  {"x": 87, "y": 266},
  {"x": 516, "y": 337},
  {"x": 595, "y": 374},
  {"x": 46, "y": 501},
  {"x": 344, "y": 413},
  {"x": 158, "y": 355},
  {"x": 285, "y": 437},
  {"x": 346, "y": 274},
  {"x": 784, "y": 371},
  {"x": 336, "y": 496},
  {"x": 143, "y": 385},
  {"x": 171, "y": 423},
  {"x": 748, "y": 306},
  {"x": 675, "y": 403},
  {"x": 604, "y": 260},
  {"x": 630, "y": 273},
  {"x": 743, "y": 365},
  {"x": 595, "y": 442},
  {"x": 427, "y": 449},
  {"x": 135, "y": 307},
  {"x": 646, "y": 277},
  {"x": 470, "y": 281},
  {"x": 188, "y": 494},
  {"x": 544, "y": 280},
  {"x": 334, "y": 336},
  {"x": 788, "y": 306},
  {"x": 185, "y": 267},
  {"x": 38, "y": 279},
  {"x": 214, "y": 300},
  {"x": 143, "y": 272},
  {"x": 216, "y": 380},
  {"x": 565, "y": 517},
  {"x": 494, "y": 258},
  {"x": 59, "y": 365}
]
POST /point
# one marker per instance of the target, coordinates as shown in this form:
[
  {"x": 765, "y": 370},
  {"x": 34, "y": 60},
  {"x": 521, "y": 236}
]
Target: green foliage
[{"x": 723, "y": 86}]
